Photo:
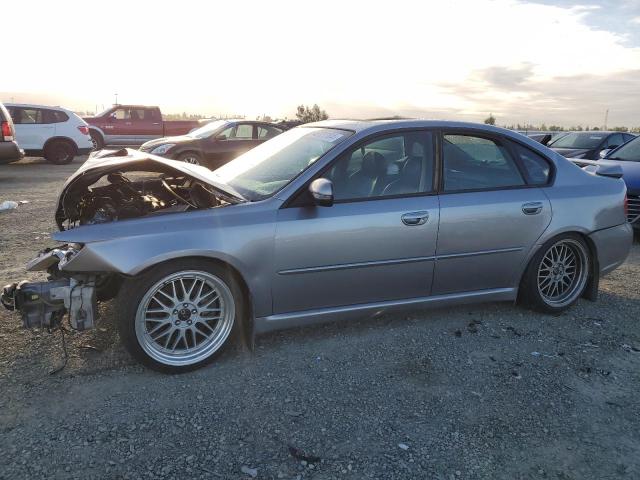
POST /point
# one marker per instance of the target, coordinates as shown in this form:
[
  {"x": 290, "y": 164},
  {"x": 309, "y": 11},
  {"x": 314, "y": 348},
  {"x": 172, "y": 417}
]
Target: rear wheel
[
  {"x": 59, "y": 152},
  {"x": 557, "y": 274},
  {"x": 179, "y": 316},
  {"x": 190, "y": 157}
]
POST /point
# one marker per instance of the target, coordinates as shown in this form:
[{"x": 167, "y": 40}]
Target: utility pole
[
  {"x": 606, "y": 119},
  {"x": 116, "y": 99}
]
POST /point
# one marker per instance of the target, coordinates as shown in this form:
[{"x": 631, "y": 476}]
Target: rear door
[
  {"x": 491, "y": 211},
  {"x": 31, "y": 130}
]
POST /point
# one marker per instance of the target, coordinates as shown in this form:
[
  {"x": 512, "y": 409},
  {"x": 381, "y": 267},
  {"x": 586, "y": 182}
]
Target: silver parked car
[{"x": 326, "y": 221}]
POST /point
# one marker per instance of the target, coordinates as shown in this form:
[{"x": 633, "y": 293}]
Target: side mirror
[
  {"x": 220, "y": 137},
  {"x": 605, "y": 152},
  {"x": 321, "y": 190}
]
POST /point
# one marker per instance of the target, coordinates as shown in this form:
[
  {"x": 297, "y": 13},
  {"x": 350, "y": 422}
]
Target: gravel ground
[{"x": 481, "y": 392}]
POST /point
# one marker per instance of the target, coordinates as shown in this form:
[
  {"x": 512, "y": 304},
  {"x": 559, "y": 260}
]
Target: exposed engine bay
[{"x": 119, "y": 196}]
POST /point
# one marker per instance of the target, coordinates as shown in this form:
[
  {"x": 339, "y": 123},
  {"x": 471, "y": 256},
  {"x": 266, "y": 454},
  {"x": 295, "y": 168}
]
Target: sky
[{"x": 559, "y": 62}]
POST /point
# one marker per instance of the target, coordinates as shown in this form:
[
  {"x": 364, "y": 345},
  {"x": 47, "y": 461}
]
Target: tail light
[
  {"x": 7, "y": 131},
  {"x": 84, "y": 129}
]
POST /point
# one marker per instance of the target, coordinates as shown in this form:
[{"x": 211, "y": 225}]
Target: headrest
[
  {"x": 412, "y": 167},
  {"x": 373, "y": 163}
]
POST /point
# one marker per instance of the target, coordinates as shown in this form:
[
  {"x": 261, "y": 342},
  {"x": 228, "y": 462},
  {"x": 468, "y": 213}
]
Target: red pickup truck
[{"x": 134, "y": 125}]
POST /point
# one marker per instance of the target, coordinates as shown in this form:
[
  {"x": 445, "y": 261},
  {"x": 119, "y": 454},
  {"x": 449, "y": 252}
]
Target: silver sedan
[{"x": 325, "y": 222}]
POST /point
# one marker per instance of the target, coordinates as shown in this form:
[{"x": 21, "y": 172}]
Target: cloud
[
  {"x": 568, "y": 100},
  {"x": 506, "y": 77},
  {"x": 635, "y": 20}
]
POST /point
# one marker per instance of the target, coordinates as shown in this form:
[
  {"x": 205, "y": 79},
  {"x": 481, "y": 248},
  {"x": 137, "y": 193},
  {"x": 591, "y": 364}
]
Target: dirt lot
[{"x": 481, "y": 392}]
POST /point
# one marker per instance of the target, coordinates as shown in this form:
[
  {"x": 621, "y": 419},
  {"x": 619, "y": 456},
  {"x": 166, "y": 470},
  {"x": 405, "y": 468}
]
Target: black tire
[
  {"x": 107, "y": 287},
  {"x": 191, "y": 157},
  {"x": 96, "y": 138},
  {"x": 538, "y": 276},
  {"x": 134, "y": 290},
  {"x": 60, "y": 152}
]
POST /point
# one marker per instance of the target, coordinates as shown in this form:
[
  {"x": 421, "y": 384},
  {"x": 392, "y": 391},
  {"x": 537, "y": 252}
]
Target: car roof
[
  {"x": 35, "y": 105},
  {"x": 373, "y": 125}
]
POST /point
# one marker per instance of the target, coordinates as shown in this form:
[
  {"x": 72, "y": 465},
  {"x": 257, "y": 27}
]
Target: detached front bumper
[{"x": 44, "y": 304}]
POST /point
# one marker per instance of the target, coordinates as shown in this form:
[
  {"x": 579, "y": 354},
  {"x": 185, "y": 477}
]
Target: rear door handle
[
  {"x": 415, "y": 218},
  {"x": 531, "y": 208}
]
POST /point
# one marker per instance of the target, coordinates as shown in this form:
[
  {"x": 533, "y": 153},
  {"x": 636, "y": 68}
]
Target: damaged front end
[
  {"x": 44, "y": 304},
  {"x": 110, "y": 187}
]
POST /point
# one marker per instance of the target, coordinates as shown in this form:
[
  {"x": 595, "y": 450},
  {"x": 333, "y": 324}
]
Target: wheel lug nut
[
  {"x": 188, "y": 322},
  {"x": 177, "y": 322},
  {"x": 194, "y": 311},
  {"x": 175, "y": 312},
  {"x": 185, "y": 305}
]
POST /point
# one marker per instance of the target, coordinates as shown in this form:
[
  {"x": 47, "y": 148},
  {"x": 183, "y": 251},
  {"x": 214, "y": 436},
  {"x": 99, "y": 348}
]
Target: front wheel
[
  {"x": 178, "y": 316},
  {"x": 557, "y": 274},
  {"x": 190, "y": 157}
]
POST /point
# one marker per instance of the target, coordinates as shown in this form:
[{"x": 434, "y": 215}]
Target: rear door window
[
  {"x": 477, "y": 163},
  {"x": 265, "y": 132}
]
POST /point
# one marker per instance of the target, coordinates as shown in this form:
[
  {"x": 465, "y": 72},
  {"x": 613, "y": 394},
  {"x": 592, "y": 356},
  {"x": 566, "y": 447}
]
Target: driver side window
[{"x": 399, "y": 164}]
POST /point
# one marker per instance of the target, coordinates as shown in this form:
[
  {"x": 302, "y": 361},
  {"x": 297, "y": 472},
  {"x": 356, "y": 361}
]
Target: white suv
[{"x": 54, "y": 133}]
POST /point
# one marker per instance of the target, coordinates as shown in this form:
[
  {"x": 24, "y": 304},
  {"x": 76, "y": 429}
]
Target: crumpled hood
[
  {"x": 106, "y": 161},
  {"x": 570, "y": 152}
]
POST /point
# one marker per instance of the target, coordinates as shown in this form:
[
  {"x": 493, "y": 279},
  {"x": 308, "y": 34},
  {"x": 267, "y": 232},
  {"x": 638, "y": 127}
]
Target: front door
[
  {"x": 229, "y": 144},
  {"x": 376, "y": 243},
  {"x": 491, "y": 212}
]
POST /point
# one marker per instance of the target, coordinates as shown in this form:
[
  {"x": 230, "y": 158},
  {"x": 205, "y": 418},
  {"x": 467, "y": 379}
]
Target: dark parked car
[
  {"x": 214, "y": 144},
  {"x": 627, "y": 157},
  {"x": 588, "y": 145},
  {"x": 9, "y": 149}
]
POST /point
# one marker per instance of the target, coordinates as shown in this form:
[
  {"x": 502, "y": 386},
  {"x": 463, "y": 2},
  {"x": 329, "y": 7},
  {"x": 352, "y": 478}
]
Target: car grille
[{"x": 633, "y": 214}]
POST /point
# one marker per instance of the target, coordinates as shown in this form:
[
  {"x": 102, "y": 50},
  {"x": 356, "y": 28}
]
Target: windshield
[
  {"x": 261, "y": 172},
  {"x": 206, "y": 130},
  {"x": 629, "y": 152},
  {"x": 578, "y": 140}
]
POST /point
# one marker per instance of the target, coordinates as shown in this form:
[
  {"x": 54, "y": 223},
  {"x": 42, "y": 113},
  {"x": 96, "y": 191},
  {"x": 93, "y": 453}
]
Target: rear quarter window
[{"x": 537, "y": 169}]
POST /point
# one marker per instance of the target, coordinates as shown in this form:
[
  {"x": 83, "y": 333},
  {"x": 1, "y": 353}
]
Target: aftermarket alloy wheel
[
  {"x": 177, "y": 319},
  {"x": 558, "y": 274}
]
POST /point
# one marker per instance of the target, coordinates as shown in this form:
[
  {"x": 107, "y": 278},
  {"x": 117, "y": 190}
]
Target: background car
[
  {"x": 215, "y": 143},
  {"x": 133, "y": 125},
  {"x": 588, "y": 145},
  {"x": 9, "y": 149},
  {"x": 54, "y": 133},
  {"x": 627, "y": 157}
]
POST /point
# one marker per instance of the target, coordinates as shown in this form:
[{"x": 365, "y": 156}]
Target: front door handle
[
  {"x": 531, "y": 208},
  {"x": 415, "y": 218}
]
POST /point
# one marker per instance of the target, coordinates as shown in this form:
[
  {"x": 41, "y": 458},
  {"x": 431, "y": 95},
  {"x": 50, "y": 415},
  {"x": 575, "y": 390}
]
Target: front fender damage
[{"x": 44, "y": 304}]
